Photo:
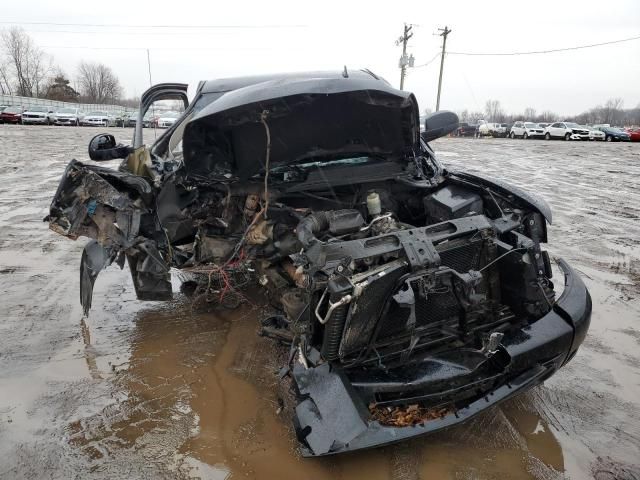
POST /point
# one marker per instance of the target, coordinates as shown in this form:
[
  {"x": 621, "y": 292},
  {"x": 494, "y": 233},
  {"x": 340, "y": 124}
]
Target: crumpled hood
[{"x": 309, "y": 117}]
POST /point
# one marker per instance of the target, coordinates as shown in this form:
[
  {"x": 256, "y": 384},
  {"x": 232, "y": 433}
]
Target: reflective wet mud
[{"x": 159, "y": 390}]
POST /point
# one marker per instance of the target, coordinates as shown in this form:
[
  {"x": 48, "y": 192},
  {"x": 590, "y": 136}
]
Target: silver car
[
  {"x": 68, "y": 116},
  {"x": 37, "y": 115},
  {"x": 97, "y": 118}
]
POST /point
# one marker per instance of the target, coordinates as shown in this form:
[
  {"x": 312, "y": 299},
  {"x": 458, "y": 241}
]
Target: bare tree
[
  {"x": 494, "y": 111},
  {"x": 548, "y": 116},
  {"x": 530, "y": 113},
  {"x": 27, "y": 65},
  {"x": 612, "y": 111},
  {"x": 98, "y": 83},
  {"x": 5, "y": 82}
]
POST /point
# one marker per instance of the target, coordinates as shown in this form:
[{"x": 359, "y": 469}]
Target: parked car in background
[
  {"x": 167, "y": 119},
  {"x": 97, "y": 118},
  {"x": 131, "y": 119},
  {"x": 544, "y": 124},
  {"x": 11, "y": 115},
  {"x": 67, "y": 116},
  {"x": 465, "y": 130},
  {"x": 496, "y": 129},
  {"x": 634, "y": 134},
  {"x": 500, "y": 130},
  {"x": 594, "y": 133},
  {"x": 37, "y": 115},
  {"x": 526, "y": 130},
  {"x": 567, "y": 131},
  {"x": 614, "y": 134}
]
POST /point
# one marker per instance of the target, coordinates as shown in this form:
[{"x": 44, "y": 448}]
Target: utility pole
[
  {"x": 444, "y": 34},
  {"x": 404, "y": 61}
]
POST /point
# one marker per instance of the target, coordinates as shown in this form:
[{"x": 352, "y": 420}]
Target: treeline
[
  {"x": 27, "y": 70},
  {"x": 611, "y": 112}
]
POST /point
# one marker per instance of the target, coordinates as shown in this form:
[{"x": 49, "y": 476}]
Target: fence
[{"x": 26, "y": 102}]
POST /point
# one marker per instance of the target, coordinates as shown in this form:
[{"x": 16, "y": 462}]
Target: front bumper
[
  {"x": 95, "y": 122},
  {"x": 579, "y": 136},
  {"x": 34, "y": 120},
  {"x": 333, "y": 418},
  {"x": 66, "y": 121},
  {"x": 536, "y": 134}
]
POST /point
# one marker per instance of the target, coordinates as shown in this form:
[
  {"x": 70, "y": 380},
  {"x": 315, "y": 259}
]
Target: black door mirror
[
  {"x": 103, "y": 147},
  {"x": 439, "y": 124}
]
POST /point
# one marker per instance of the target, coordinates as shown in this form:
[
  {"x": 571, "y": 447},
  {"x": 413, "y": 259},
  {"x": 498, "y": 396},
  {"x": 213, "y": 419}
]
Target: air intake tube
[{"x": 337, "y": 222}]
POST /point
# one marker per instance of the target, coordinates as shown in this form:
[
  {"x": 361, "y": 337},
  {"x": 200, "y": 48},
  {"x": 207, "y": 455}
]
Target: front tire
[
  {"x": 547, "y": 136},
  {"x": 609, "y": 138},
  {"x": 512, "y": 135},
  {"x": 525, "y": 136},
  {"x": 567, "y": 137}
]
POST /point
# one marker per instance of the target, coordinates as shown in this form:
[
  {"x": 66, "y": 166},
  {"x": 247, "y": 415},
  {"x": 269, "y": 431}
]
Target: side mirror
[
  {"x": 439, "y": 124},
  {"x": 103, "y": 147}
]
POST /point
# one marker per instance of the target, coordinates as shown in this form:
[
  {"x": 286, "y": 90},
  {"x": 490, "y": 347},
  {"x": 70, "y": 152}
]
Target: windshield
[
  {"x": 175, "y": 146},
  {"x": 97, "y": 114},
  {"x": 170, "y": 115},
  {"x": 530, "y": 125},
  {"x": 38, "y": 109},
  {"x": 572, "y": 125},
  {"x": 12, "y": 110},
  {"x": 67, "y": 110}
]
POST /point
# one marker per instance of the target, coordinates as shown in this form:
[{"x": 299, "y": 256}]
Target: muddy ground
[{"x": 157, "y": 390}]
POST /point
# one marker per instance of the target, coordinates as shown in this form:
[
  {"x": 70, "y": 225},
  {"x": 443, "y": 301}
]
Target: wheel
[
  {"x": 567, "y": 136},
  {"x": 547, "y": 136},
  {"x": 525, "y": 136},
  {"x": 512, "y": 135},
  {"x": 609, "y": 138},
  {"x": 76, "y": 123}
]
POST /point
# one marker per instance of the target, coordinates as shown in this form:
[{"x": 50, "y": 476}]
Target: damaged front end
[{"x": 410, "y": 298}]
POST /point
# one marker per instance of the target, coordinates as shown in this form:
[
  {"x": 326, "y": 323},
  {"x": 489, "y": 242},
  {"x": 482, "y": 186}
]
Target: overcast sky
[{"x": 331, "y": 34}]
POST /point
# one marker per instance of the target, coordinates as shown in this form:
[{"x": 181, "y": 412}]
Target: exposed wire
[
  {"x": 538, "y": 52},
  {"x": 263, "y": 119},
  {"x": 429, "y": 62},
  {"x": 501, "y": 257}
]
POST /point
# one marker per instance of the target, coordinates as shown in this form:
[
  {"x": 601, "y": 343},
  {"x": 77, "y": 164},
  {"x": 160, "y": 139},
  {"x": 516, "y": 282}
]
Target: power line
[
  {"x": 122, "y": 25},
  {"x": 537, "y": 52},
  {"x": 429, "y": 62}
]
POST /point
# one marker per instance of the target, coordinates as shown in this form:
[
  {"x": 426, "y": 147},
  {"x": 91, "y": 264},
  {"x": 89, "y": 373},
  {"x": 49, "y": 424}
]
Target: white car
[
  {"x": 566, "y": 130},
  {"x": 526, "y": 130},
  {"x": 167, "y": 119},
  {"x": 67, "y": 116},
  {"x": 594, "y": 133},
  {"x": 37, "y": 115},
  {"x": 97, "y": 118}
]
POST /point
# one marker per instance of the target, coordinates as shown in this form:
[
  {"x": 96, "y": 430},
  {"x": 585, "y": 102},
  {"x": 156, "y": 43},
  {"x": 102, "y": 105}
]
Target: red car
[
  {"x": 634, "y": 134},
  {"x": 11, "y": 115}
]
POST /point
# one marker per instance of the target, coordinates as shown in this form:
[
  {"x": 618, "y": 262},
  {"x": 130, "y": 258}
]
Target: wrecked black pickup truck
[{"x": 411, "y": 297}]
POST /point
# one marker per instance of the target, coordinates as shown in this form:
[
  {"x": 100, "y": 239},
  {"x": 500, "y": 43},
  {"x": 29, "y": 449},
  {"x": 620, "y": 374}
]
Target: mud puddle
[{"x": 151, "y": 390}]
